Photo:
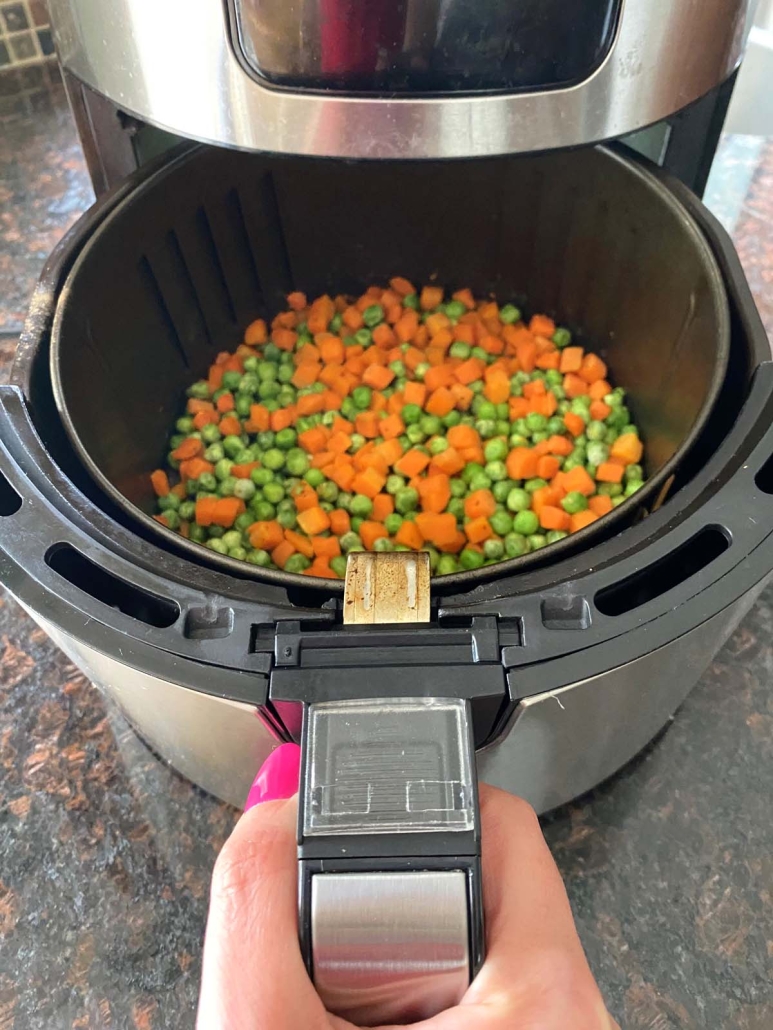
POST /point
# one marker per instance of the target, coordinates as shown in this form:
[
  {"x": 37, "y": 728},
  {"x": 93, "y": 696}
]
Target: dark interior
[{"x": 216, "y": 238}]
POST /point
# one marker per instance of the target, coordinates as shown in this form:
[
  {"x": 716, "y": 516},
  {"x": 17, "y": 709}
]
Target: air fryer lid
[{"x": 216, "y": 238}]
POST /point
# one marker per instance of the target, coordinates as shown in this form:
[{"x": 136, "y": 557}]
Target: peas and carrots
[{"x": 399, "y": 420}]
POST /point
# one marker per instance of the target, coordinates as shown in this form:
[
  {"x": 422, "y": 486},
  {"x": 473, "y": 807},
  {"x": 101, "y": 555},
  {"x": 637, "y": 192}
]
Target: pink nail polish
[{"x": 277, "y": 777}]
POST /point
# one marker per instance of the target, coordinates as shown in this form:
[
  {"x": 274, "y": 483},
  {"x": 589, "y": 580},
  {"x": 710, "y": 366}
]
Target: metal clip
[{"x": 387, "y": 587}]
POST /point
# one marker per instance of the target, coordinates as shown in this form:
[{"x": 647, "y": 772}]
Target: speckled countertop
[{"x": 105, "y": 854}]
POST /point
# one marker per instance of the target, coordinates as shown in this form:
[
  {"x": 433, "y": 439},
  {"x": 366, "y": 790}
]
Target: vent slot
[
  {"x": 675, "y": 568},
  {"x": 565, "y": 613},
  {"x": 209, "y": 623},
  {"x": 116, "y": 593},
  {"x": 10, "y": 502},
  {"x": 764, "y": 478}
]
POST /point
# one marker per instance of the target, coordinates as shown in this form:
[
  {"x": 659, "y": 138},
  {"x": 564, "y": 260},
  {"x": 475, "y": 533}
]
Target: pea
[
  {"x": 516, "y": 440},
  {"x": 526, "y": 523},
  {"x": 297, "y": 563},
  {"x": 406, "y": 500},
  {"x": 472, "y": 468},
  {"x": 266, "y": 440},
  {"x": 328, "y": 491},
  {"x": 539, "y": 436},
  {"x": 361, "y": 506},
  {"x": 518, "y": 500},
  {"x": 481, "y": 354},
  {"x": 392, "y": 523},
  {"x": 438, "y": 445},
  {"x": 215, "y": 532},
  {"x": 470, "y": 559},
  {"x": 487, "y": 427},
  {"x": 259, "y": 557},
  {"x": 169, "y": 503},
  {"x": 453, "y": 418},
  {"x": 244, "y": 489},
  {"x": 456, "y": 507},
  {"x": 274, "y": 459},
  {"x": 536, "y": 422},
  {"x": 383, "y": 543},
  {"x": 595, "y": 431},
  {"x": 349, "y": 541},
  {"x": 223, "y": 468},
  {"x": 421, "y": 370},
  {"x": 554, "y": 535},
  {"x": 361, "y": 395},
  {"x": 344, "y": 501},
  {"x": 535, "y": 484},
  {"x": 501, "y": 522},
  {"x": 632, "y": 486},
  {"x": 579, "y": 406},
  {"x": 598, "y": 453},
  {"x": 460, "y": 350},
  {"x": 264, "y": 511},
  {"x": 574, "y": 502},
  {"x": 217, "y": 545},
  {"x": 207, "y": 481},
  {"x": 287, "y": 518},
  {"x": 411, "y": 301},
  {"x": 556, "y": 426},
  {"x": 296, "y": 462},
  {"x": 537, "y": 540},
  {"x": 274, "y": 492},
  {"x": 496, "y": 471},
  {"x": 338, "y": 565},
  {"x": 480, "y": 481},
  {"x": 501, "y": 488},
  {"x": 446, "y": 565},
  {"x": 415, "y": 434},
  {"x": 199, "y": 390},
  {"x": 562, "y": 338},
  {"x": 509, "y": 314},
  {"x": 430, "y": 425},
  {"x": 634, "y": 472},
  {"x": 515, "y": 545},
  {"x": 198, "y": 534},
  {"x": 394, "y": 484},
  {"x": 411, "y": 414},
  {"x": 372, "y": 315},
  {"x": 494, "y": 550},
  {"x": 363, "y": 337},
  {"x": 314, "y": 477}
]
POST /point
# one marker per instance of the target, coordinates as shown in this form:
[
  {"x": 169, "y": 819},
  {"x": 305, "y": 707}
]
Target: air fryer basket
[{"x": 216, "y": 238}]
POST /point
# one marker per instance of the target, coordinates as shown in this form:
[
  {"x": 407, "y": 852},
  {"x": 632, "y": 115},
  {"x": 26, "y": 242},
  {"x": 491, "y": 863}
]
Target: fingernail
[{"x": 277, "y": 777}]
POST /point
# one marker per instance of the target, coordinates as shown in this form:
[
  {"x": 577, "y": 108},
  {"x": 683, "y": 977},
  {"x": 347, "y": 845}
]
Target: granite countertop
[{"x": 106, "y": 853}]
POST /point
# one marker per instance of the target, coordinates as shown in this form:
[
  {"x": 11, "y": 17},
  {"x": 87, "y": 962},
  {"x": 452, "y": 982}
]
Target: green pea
[
  {"x": 536, "y": 422},
  {"x": 361, "y": 506},
  {"x": 535, "y": 484},
  {"x": 634, "y": 472},
  {"x": 487, "y": 427},
  {"x": 362, "y": 395},
  {"x": 296, "y": 462},
  {"x": 328, "y": 492},
  {"x": 415, "y": 434},
  {"x": 244, "y": 521},
  {"x": 274, "y": 459},
  {"x": 447, "y": 565},
  {"x": 574, "y": 502},
  {"x": 494, "y": 549},
  {"x": 438, "y": 445},
  {"x": 187, "y": 510},
  {"x": 595, "y": 431},
  {"x": 496, "y": 471},
  {"x": 537, "y": 540},
  {"x": 456, "y": 507},
  {"x": 526, "y": 523},
  {"x": 314, "y": 477},
  {"x": 285, "y": 439},
  {"x": 470, "y": 559},
  {"x": 509, "y": 314},
  {"x": 223, "y": 468},
  {"x": 232, "y": 538},
  {"x": 501, "y": 488},
  {"x": 472, "y": 468},
  {"x": 556, "y": 426},
  {"x": 244, "y": 489},
  {"x": 517, "y": 440},
  {"x": 274, "y": 492},
  {"x": 421, "y": 370},
  {"x": 297, "y": 563},
  {"x": 266, "y": 440},
  {"x": 207, "y": 481},
  {"x": 394, "y": 484},
  {"x": 411, "y": 301},
  {"x": 217, "y": 545},
  {"x": 264, "y": 511},
  {"x": 430, "y": 425},
  {"x": 554, "y": 535},
  {"x": 539, "y": 436},
  {"x": 287, "y": 519},
  {"x": 199, "y": 390},
  {"x": 453, "y": 418},
  {"x": 349, "y": 541},
  {"x": 338, "y": 565},
  {"x": 406, "y": 500},
  {"x": 495, "y": 450},
  {"x": 372, "y": 315},
  {"x": 411, "y": 414},
  {"x": 480, "y": 481},
  {"x": 198, "y": 534},
  {"x": 383, "y": 543},
  {"x": 598, "y": 453},
  {"x": 518, "y": 500},
  {"x": 515, "y": 545},
  {"x": 363, "y": 337},
  {"x": 392, "y": 523},
  {"x": 169, "y": 503},
  {"x": 562, "y": 338},
  {"x": 460, "y": 350},
  {"x": 632, "y": 486},
  {"x": 501, "y": 522},
  {"x": 215, "y": 532},
  {"x": 259, "y": 557}
]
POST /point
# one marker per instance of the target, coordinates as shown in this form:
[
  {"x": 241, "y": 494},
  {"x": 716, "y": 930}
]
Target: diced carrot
[
  {"x": 383, "y": 336},
  {"x": 627, "y": 448},
  {"x": 314, "y": 520},
  {"x": 285, "y": 339},
  {"x": 367, "y": 424},
  {"x": 383, "y": 505},
  {"x": 402, "y": 287},
  {"x": 541, "y": 325},
  {"x": 546, "y": 496},
  {"x": 321, "y": 567},
  {"x": 305, "y": 497},
  {"x": 448, "y": 461},
  {"x": 431, "y": 297},
  {"x": 497, "y": 389},
  {"x": 302, "y": 544},
  {"x": 340, "y": 522},
  {"x": 559, "y": 445},
  {"x": 593, "y": 369},
  {"x": 599, "y": 410},
  {"x": 369, "y": 482},
  {"x": 283, "y": 418},
  {"x": 306, "y": 374},
  {"x": 322, "y": 459},
  {"x": 519, "y": 407},
  {"x": 478, "y": 530},
  {"x": 352, "y": 318},
  {"x": 574, "y": 423},
  {"x": 547, "y": 466},
  {"x": 455, "y": 545},
  {"x": 313, "y": 440},
  {"x": 191, "y": 447},
  {"x": 574, "y": 386},
  {"x": 260, "y": 418},
  {"x": 391, "y": 427},
  {"x": 599, "y": 389},
  {"x": 391, "y": 449},
  {"x": 310, "y": 404},
  {"x": 296, "y": 300},
  {"x": 405, "y": 327},
  {"x": 600, "y": 504},
  {"x": 577, "y": 480},
  {"x": 195, "y": 467},
  {"x": 256, "y": 333},
  {"x": 571, "y": 359},
  {"x": 264, "y": 535},
  {"x": 159, "y": 480},
  {"x": 480, "y": 503},
  {"x": 435, "y": 493},
  {"x": 215, "y": 378},
  {"x": 342, "y": 476},
  {"x": 244, "y": 471},
  {"x": 466, "y": 297},
  {"x": 553, "y": 518},
  {"x": 469, "y": 371},
  {"x": 281, "y": 553},
  {"x": 179, "y": 491},
  {"x": 440, "y": 375},
  {"x": 370, "y": 532},
  {"x": 521, "y": 463},
  {"x": 339, "y": 443},
  {"x": 409, "y": 535},
  {"x": 610, "y": 472},
  {"x": 440, "y": 530},
  {"x": 549, "y": 360},
  {"x": 377, "y": 377},
  {"x": 526, "y": 352},
  {"x": 581, "y": 520},
  {"x": 463, "y": 436},
  {"x": 412, "y": 463},
  {"x": 194, "y": 406},
  {"x": 230, "y": 426},
  {"x": 326, "y": 546},
  {"x": 440, "y": 402},
  {"x": 331, "y": 350},
  {"x": 322, "y": 310}
]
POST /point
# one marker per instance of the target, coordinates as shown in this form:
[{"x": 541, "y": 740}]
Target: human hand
[{"x": 535, "y": 976}]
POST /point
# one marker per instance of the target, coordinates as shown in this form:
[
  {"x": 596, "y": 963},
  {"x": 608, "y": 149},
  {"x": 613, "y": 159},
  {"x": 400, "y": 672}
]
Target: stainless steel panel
[
  {"x": 217, "y": 743},
  {"x": 563, "y": 742},
  {"x": 171, "y": 62},
  {"x": 390, "y": 947}
]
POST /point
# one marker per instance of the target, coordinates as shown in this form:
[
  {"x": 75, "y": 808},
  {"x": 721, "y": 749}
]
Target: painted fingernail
[{"x": 277, "y": 777}]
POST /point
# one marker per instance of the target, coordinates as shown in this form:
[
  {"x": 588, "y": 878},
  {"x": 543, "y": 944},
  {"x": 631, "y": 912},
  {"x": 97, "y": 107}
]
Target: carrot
[
  {"x": 610, "y": 472},
  {"x": 480, "y": 503},
  {"x": 412, "y": 463},
  {"x": 230, "y": 426},
  {"x": 581, "y": 520},
  {"x": 322, "y": 459},
  {"x": 440, "y": 375},
  {"x": 593, "y": 369},
  {"x": 244, "y": 471},
  {"x": 430, "y": 297},
  {"x": 305, "y": 497},
  {"x": 256, "y": 333},
  {"x": 340, "y": 522},
  {"x": 377, "y": 377},
  {"x": 369, "y": 482},
  {"x": 435, "y": 493},
  {"x": 342, "y": 476},
  {"x": 191, "y": 447},
  {"x": 469, "y": 371},
  {"x": 521, "y": 463},
  {"x": 331, "y": 350},
  {"x": 225, "y": 402},
  {"x": 578, "y": 481},
  {"x": 339, "y": 443},
  {"x": 599, "y": 389},
  {"x": 477, "y": 530},
  {"x": 281, "y": 553},
  {"x": 215, "y": 378},
  {"x": 541, "y": 325},
  {"x": 571, "y": 359},
  {"x": 574, "y": 423},
  {"x": 463, "y": 436},
  {"x": 627, "y": 448},
  {"x": 391, "y": 450},
  {"x": 600, "y": 504},
  {"x": 383, "y": 336},
  {"x": 367, "y": 424},
  {"x": 559, "y": 445},
  {"x": 314, "y": 520},
  {"x": 296, "y": 300},
  {"x": 383, "y": 505},
  {"x": 409, "y": 534},
  {"x": 549, "y": 360},
  {"x": 326, "y": 546},
  {"x": 260, "y": 418},
  {"x": 440, "y": 402},
  {"x": 283, "y": 418},
  {"x": 313, "y": 440},
  {"x": 300, "y": 543},
  {"x": 553, "y": 518},
  {"x": 194, "y": 467},
  {"x": 407, "y": 324},
  {"x": 574, "y": 386},
  {"x": 448, "y": 461},
  {"x": 526, "y": 352},
  {"x": 546, "y": 497},
  {"x": 599, "y": 410},
  {"x": 305, "y": 374},
  {"x": 320, "y": 313},
  {"x": 440, "y": 530},
  {"x": 547, "y": 466},
  {"x": 370, "y": 532},
  {"x": 159, "y": 480},
  {"x": 497, "y": 389}
]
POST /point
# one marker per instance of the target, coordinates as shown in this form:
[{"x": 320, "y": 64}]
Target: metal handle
[{"x": 389, "y": 843}]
